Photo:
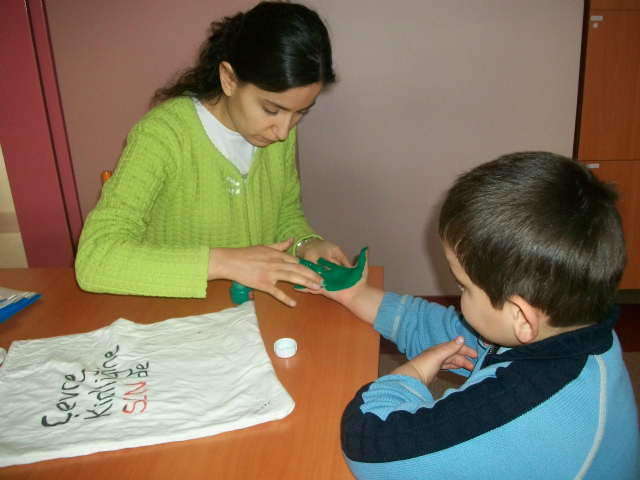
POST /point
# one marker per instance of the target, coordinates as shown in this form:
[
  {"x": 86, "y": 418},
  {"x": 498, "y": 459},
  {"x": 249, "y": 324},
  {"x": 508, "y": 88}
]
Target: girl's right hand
[{"x": 262, "y": 267}]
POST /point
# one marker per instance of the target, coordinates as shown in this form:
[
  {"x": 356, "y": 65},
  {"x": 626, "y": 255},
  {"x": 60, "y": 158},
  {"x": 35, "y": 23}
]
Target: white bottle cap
[{"x": 285, "y": 347}]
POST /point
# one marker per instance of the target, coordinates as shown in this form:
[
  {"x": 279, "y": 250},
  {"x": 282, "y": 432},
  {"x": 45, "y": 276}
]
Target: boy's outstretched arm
[{"x": 413, "y": 324}]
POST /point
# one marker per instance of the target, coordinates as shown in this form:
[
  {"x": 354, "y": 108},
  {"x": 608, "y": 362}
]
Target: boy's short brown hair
[{"x": 541, "y": 226}]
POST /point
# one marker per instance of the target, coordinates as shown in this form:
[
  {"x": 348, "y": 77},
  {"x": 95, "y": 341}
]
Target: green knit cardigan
[{"x": 173, "y": 196}]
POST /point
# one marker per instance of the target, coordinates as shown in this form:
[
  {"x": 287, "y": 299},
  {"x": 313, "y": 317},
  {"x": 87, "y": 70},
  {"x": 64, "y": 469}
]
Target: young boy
[{"x": 535, "y": 244}]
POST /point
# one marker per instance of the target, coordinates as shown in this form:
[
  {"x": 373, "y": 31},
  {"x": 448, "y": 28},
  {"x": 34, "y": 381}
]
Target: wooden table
[{"x": 337, "y": 354}]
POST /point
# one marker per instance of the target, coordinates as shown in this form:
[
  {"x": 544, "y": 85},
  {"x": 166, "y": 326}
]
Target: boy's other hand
[{"x": 444, "y": 356}]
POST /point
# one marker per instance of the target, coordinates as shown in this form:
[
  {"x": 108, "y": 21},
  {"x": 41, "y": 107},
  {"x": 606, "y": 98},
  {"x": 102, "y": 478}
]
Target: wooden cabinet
[
  {"x": 626, "y": 174},
  {"x": 609, "y": 122}
]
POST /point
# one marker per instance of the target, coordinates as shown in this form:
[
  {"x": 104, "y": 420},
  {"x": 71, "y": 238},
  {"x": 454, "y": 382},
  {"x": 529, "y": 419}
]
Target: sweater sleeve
[
  {"x": 394, "y": 428},
  {"x": 112, "y": 254},
  {"x": 415, "y": 324},
  {"x": 291, "y": 221}
]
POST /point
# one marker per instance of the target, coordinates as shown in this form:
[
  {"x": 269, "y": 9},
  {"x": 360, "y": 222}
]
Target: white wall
[
  {"x": 430, "y": 89},
  {"x": 111, "y": 56}
]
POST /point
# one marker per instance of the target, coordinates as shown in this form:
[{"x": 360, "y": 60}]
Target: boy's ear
[
  {"x": 526, "y": 319},
  {"x": 228, "y": 79}
]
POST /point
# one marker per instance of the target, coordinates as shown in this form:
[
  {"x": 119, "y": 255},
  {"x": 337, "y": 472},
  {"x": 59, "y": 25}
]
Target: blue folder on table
[{"x": 12, "y": 301}]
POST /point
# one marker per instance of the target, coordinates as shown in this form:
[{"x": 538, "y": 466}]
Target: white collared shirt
[{"x": 229, "y": 143}]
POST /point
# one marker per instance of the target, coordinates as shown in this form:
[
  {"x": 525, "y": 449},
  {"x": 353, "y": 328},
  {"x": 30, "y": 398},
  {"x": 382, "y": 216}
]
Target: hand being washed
[
  {"x": 336, "y": 277},
  {"x": 349, "y": 286}
]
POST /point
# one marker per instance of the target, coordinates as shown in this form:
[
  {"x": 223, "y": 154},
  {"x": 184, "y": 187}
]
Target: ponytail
[{"x": 203, "y": 81}]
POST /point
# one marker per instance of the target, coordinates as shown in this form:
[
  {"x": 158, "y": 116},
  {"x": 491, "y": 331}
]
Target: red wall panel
[{"x": 27, "y": 145}]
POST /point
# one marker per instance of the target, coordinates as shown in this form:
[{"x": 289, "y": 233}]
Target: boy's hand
[
  {"x": 444, "y": 356},
  {"x": 362, "y": 299},
  {"x": 335, "y": 275}
]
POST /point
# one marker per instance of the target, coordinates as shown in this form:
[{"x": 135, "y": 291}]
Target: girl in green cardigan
[{"x": 207, "y": 187}]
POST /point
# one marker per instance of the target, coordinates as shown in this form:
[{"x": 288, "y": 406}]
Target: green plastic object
[
  {"x": 240, "y": 293},
  {"x": 336, "y": 277}
]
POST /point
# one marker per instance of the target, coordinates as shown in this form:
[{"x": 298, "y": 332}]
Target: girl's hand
[
  {"x": 262, "y": 267},
  {"x": 316, "y": 248}
]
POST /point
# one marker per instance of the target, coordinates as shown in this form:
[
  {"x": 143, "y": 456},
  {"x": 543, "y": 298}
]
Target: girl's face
[{"x": 261, "y": 117}]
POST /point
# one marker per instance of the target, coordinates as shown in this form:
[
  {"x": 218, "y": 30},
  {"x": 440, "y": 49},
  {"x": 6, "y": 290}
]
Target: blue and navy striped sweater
[{"x": 559, "y": 408}]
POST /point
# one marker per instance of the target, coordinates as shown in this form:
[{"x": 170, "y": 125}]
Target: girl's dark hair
[
  {"x": 274, "y": 46},
  {"x": 540, "y": 226}
]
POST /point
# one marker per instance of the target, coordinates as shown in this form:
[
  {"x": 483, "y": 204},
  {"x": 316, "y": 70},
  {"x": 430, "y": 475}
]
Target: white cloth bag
[{"x": 128, "y": 385}]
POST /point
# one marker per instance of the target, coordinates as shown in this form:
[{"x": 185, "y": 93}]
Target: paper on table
[{"x": 128, "y": 385}]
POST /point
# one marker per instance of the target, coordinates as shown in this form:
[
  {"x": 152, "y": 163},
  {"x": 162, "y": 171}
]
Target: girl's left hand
[{"x": 316, "y": 248}]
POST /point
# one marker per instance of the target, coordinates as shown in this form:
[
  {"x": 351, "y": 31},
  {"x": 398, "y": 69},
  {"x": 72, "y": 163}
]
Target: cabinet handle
[
  {"x": 595, "y": 19},
  {"x": 592, "y": 165}
]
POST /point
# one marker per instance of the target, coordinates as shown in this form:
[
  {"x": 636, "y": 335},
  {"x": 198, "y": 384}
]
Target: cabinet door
[
  {"x": 626, "y": 175},
  {"x": 615, "y": 4},
  {"x": 610, "y": 119}
]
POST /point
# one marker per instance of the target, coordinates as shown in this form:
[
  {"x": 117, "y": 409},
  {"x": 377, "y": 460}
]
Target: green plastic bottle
[{"x": 240, "y": 293}]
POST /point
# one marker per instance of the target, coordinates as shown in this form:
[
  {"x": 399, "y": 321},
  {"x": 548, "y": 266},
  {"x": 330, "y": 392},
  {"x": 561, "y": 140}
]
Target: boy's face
[{"x": 494, "y": 325}]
